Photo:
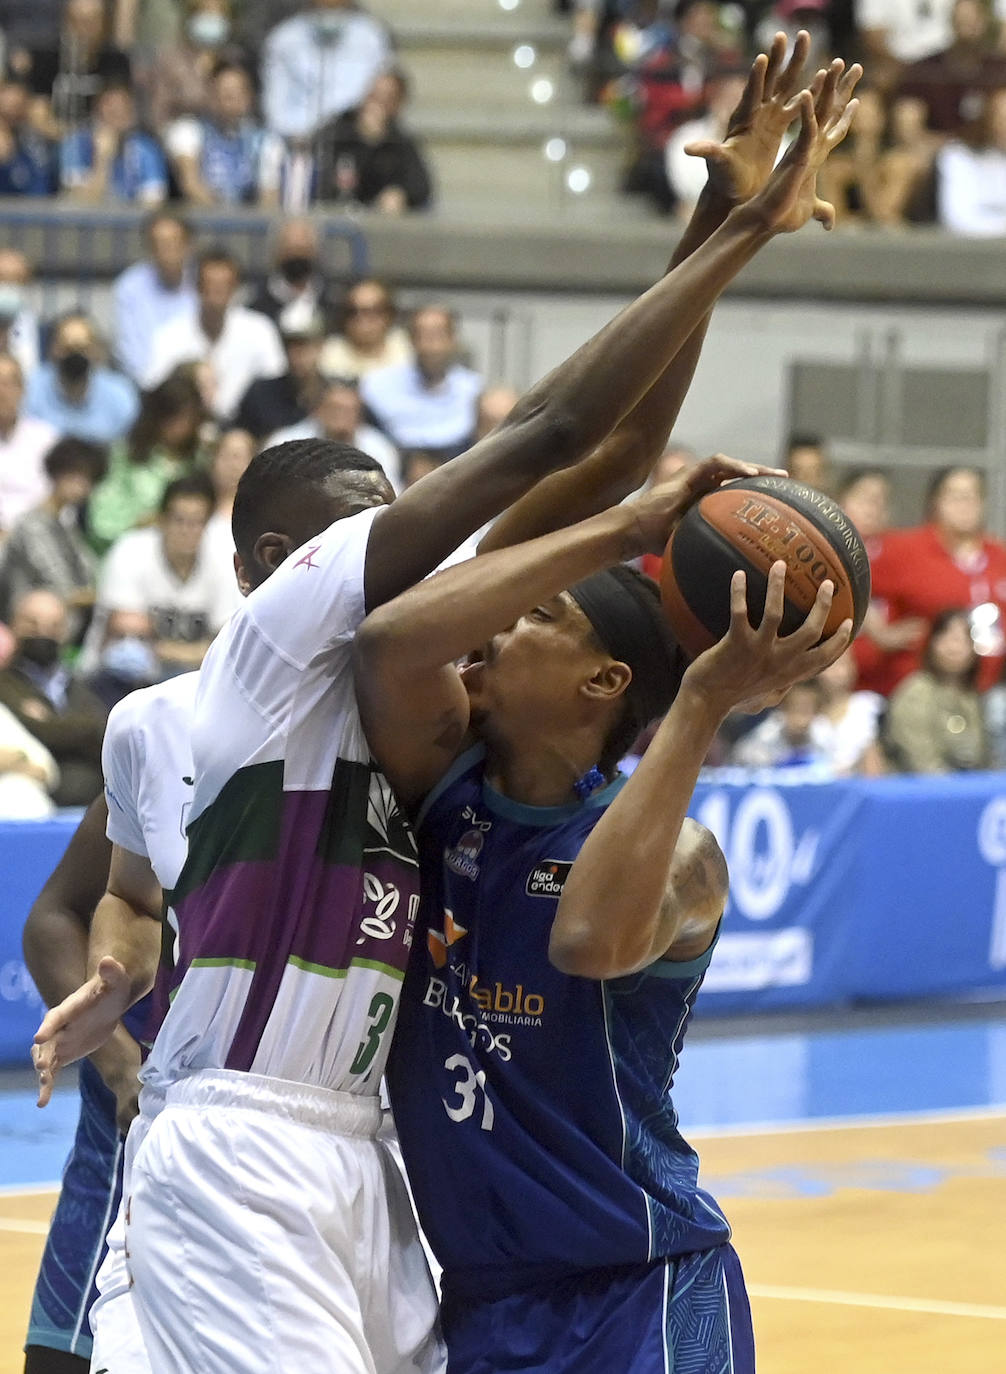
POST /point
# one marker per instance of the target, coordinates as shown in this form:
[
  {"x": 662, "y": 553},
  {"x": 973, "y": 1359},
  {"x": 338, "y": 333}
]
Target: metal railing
[{"x": 91, "y": 246}]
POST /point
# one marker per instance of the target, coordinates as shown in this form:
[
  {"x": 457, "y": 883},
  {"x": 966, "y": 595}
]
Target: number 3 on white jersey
[{"x": 466, "y": 1089}]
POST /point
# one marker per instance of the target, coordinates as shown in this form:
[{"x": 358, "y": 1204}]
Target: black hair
[
  {"x": 803, "y": 439},
  {"x": 636, "y": 712},
  {"x": 345, "y": 308},
  {"x": 940, "y": 622},
  {"x": 196, "y": 486},
  {"x": 856, "y": 475},
  {"x": 165, "y": 215},
  {"x": 217, "y": 254},
  {"x": 288, "y": 470},
  {"x": 940, "y": 476},
  {"x": 74, "y": 455},
  {"x": 178, "y": 392},
  {"x": 231, "y": 64}
]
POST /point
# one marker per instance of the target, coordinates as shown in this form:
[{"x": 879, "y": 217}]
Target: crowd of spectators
[
  {"x": 929, "y": 141},
  {"x": 122, "y": 442},
  {"x": 271, "y": 105}
]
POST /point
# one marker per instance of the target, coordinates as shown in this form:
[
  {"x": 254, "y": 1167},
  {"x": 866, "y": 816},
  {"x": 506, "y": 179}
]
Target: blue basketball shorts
[
  {"x": 685, "y": 1315},
  {"x": 88, "y": 1202}
]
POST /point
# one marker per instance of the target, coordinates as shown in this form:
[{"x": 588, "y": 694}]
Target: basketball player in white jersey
[{"x": 147, "y": 766}]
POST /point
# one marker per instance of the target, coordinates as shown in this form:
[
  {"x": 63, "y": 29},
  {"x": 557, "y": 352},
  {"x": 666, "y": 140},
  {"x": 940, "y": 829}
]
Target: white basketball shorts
[
  {"x": 268, "y": 1229},
  {"x": 118, "y": 1345}
]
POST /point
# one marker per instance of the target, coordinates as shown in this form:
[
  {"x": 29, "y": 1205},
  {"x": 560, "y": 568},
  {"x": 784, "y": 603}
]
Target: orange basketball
[{"x": 751, "y": 524}]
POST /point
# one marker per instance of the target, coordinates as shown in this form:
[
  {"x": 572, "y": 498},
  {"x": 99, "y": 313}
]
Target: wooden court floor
[{"x": 875, "y": 1248}]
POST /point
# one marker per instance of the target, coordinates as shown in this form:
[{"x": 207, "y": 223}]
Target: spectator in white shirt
[
  {"x": 28, "y": 772},
  {"x": 24, "y": 442},
  {"x": 851, "y": 719},
  {"x": 430, "y": 403},
  {"x": 239, "y": 344},
  {"x": 369, "y": 338},
  {"x": 894, "y": 32},
  {"x": 164, "y": 572},
  {"x": 318, "y": 64},
  {"x": 18, "y": 324},
  {"x": 792, "y": 735},
  {"x": 687, "y": 175},
  {"x": 971, "y": 182},
  {"x": 339, "y": 416},
  {"x": 227, "y": 157},
  {"x": 153, "y": 291}
]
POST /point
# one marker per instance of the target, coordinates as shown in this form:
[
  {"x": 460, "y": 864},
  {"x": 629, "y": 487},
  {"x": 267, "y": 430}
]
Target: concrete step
[
  {"x": 484, "y": 82},
  {"x": 465, "y": 172},
  {"x": 403, "y": 14},
  {"x": 531, "y": 124}
]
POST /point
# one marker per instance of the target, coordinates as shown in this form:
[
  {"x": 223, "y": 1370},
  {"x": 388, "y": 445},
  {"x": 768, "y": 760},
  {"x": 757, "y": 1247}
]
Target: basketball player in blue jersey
[{"x": 566, "y": 921}]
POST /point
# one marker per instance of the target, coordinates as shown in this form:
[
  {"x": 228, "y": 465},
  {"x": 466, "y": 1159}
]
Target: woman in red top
[{"x": 950, "y": 561}]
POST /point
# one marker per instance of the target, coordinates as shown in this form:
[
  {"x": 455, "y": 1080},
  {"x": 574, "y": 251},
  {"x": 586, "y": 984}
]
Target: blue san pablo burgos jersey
[{"x": 534, "y": 1108}]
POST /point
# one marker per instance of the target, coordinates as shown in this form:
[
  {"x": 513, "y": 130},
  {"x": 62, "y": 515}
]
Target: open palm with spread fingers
[
  {"x": 826, "y": 110},
  {"x": 753, "y": 667},
  {"x": 740, "y": 165}
]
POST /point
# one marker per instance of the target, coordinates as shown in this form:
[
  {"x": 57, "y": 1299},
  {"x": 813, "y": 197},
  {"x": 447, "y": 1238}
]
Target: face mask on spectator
[
  {"x": 131, "y": 660},
  {"x": 10, "y": 301},
  {"x": 40, "y": 650},
  {"x": 296, "y": 268},
  {"x": 74, "y": 367},
  {"x": 328, "y": 26},
  {"x": 209, "y": 30}
]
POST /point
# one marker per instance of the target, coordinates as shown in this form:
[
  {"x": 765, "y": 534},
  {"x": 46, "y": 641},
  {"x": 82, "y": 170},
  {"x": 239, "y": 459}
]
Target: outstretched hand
[
  {"x": 826, "y": 111},
  {"x": 81, "y": 1024},
  {"x": 740, "y": 166},
  {"x": 754, "y": 667},
  {"x": 659, "y": 510}
]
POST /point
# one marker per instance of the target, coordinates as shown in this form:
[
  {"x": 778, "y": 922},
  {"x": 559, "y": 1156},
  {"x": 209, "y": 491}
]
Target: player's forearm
[
  {"x": 441, "y": 619},
  {"x": 612, "y": 918},
  {"x": 626, "y": 457},
  {"x": 55, "y": 952},
  {"x": 130, "y": 936},
  {"x": 562, "y": 419},
  {"x": 605, "y": 379}
]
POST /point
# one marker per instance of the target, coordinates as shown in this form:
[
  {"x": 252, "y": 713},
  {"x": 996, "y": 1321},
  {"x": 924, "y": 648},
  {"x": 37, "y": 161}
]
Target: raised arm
[
  {"x": 565, "y": 416},
  {"x": 412, "y": 700},
  {"x": 737, "y": 169},
  {"x": 648, "y": 884}
]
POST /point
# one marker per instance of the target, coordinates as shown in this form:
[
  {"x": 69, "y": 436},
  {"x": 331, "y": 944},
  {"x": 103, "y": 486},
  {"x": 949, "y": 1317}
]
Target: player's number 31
[{"x": 466, "y": 1090}]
